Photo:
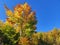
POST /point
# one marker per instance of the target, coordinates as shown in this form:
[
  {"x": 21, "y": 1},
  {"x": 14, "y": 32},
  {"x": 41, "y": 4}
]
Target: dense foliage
[{"x": 19, "y": 29}]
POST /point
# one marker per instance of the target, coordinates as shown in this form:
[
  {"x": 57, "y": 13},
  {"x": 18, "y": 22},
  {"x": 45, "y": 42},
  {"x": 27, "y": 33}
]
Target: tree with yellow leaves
[{"x": 22, "y": 19}]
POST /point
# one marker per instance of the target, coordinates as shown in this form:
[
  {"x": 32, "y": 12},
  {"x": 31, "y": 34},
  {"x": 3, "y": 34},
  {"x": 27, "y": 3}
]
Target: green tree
[{"x": 8, "y": 35}]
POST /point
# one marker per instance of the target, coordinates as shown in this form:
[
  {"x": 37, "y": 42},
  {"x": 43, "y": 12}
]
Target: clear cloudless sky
[{"x": 47, "y": 12}]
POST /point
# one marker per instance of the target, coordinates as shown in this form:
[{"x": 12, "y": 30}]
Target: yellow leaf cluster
[
  {"x": 9, "y": 22},
  {"x": 27, "y": 8},
  {"x": 19, "y": 10},
  {"x": 9, "y": 13},
  {"x": 17, "y": 29},
  {"x": 24, "y": 41},
  {"x": 22, "y": 8}
]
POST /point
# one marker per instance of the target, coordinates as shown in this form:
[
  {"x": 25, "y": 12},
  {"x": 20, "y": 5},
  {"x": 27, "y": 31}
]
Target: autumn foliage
[{"x": 19, "y": 28}]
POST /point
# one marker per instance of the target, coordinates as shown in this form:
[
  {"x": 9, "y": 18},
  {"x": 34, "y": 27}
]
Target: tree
[
  {"x": 22, "y": 19},
  {"x": 8, "y": 35}
]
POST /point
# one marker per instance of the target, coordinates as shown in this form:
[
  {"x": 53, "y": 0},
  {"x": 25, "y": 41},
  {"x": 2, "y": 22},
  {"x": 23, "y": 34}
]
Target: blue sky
[{"x": 47, "y": 12}]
